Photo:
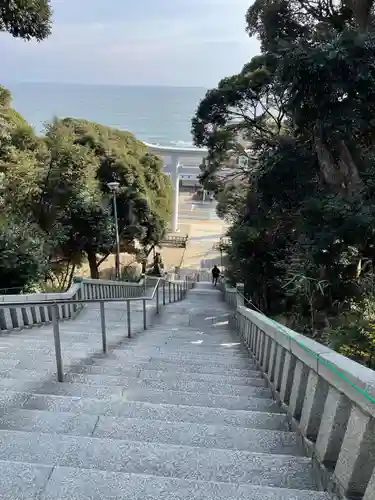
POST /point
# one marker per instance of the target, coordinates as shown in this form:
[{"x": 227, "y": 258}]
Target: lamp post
[
  {"x": 114, "y": 187},
  {"x": 221, "y": 254}
]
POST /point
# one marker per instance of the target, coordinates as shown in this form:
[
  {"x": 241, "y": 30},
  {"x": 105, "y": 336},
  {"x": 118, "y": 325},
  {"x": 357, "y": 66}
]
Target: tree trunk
[
  {"x": 94, "y": 268},
  {"x": 71, "y": 275},
  {"x": 361, "y": 12},
  {"x": 341, "y": 175}
]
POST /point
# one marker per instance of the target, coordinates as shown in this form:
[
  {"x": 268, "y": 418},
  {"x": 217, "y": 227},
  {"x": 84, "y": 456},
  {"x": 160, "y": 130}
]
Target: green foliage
[
  {"x": 86, "y": 156},
  {"x": 5, "y": 97},
  {"x": 57, "y": 183},
  {"x": 23, "y": 259},
  {"x": 302, "y": 214},
  {"x": 26, "y": 19}
]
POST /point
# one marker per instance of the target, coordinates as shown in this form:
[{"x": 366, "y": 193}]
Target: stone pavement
[{"x": 177, "y": 412}]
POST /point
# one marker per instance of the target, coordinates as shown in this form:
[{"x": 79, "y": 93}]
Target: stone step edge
[
  {"x": 174, "y": 480},
  {"x": 141, "y": 420},
  {"x": 143, "y": 403},
  {"x": 138, "y": 374},
  {"x": 35, "y": 383},
  {"x": 262, "y": 456}
]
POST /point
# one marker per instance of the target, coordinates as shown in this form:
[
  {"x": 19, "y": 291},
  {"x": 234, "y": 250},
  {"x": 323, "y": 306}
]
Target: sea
[{"x": 160, "y": 115}]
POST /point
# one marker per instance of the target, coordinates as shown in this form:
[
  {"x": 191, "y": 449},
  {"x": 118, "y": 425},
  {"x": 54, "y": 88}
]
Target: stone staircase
[{"x": 177, "y": 412}]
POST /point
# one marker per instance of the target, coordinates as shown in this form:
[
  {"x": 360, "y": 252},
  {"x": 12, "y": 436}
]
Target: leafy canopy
[
  {"x": 57, "y": 183},
  {"x": 26, "y": 19},
  {"x": 302, "y": 210}
]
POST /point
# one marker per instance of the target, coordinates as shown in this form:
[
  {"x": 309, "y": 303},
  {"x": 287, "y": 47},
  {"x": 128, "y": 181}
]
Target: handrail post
[
  {"x": 169, "y": 291},
  {"x": 174, "y": 292},
  {"x": 102, "y": 321},
  {"x": 157, "y": 298},
  {"x": 56, "y": 337},
  {"x": 163, "y": 292},
  {"x": 144, "y": 315},
  {"x": 128, "y": 318}
]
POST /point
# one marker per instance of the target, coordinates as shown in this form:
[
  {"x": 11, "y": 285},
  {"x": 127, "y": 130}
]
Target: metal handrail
[
  {"x": 81, "y": 301},
  {"x": 176, "y": 292}
]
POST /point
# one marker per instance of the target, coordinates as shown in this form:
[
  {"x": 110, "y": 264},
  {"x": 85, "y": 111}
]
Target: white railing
[
  {"x": 82, "y": 289},
  {"x": 330, "y": 398}
]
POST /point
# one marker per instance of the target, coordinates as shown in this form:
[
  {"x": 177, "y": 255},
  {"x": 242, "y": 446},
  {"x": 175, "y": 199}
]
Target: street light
[
  {"x": 114, "y": 187},
  {"x": 221, "y": 254}
]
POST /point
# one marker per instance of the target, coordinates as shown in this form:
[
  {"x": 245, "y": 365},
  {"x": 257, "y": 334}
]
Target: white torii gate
[{"x": 174, "y": 155}]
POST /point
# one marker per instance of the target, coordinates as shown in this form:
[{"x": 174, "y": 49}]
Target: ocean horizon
[{"x": 156, "y": 114}]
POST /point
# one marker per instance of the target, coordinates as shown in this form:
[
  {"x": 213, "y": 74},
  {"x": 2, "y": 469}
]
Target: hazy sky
[{"x": 135, "y": 42}]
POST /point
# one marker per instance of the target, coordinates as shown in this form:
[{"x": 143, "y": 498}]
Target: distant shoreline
[
  {"x": 116, "y": 85},
  {"x": 154, "y": 114}
]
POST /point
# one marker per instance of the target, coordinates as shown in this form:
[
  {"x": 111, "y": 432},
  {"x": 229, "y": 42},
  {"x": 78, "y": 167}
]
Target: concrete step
[
  {"x": 220, "y": 361},
  {"x": 199, "y": 435},
  {"x": 258, "y": 402},
  {"x": 98, "y": 375},
  {"x": 176, "y": 412},
  {"x": 22, "y": 481},
  {"x": 77, "y": 360},
  {"x": 155, "y": 431},
  {"x": 194, "y": 348},
  {"x": 63, "y": 389},
  {"x": 10, "y": 398},
  {"x": 26, "y": 374},
  {"x": 47, "y": 346},
  {"x": 159, "y": 460},
  {"x": 74, "y": 424},
  {"x": 255, "y": 379},
  {"x": 69, "y": 483},
  {"x": 201, "y": 366},
  {"x": 118, "y": 370},
  {"x": 275, "y": 419},
  {"x": 202, "y": 388},
  {"x": 198, "y": 353},
  {"x": 196, "y": 399},
  {"x": 182, "y": 383},
  {"x": 177, "y": 338},
  {"x": 168, "y": 365},
  {"x": 6, "y": 364},
  {"x": 101, "y": 361}
]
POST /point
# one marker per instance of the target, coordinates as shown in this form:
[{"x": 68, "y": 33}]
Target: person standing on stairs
[{"x": 215, "y": 274}]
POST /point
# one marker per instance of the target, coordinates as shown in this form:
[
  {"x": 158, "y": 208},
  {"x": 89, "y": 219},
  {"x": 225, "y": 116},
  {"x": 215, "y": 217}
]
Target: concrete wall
[
  {"x": 24, "y": 315},
  {"x": 330, "y": 398}
]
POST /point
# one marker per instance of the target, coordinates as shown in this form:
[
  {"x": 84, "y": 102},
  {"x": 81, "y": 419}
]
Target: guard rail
[
  {"x": 170, "y": 292},
  {"x": 330, "y": 398}
]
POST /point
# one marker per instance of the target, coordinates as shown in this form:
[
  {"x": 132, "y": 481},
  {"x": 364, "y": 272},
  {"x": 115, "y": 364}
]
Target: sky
[{"x": 135, "y": 42}]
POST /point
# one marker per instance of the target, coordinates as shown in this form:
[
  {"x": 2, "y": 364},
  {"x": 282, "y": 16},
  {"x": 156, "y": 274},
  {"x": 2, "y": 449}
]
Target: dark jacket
[{"x": 215, "y": 272}]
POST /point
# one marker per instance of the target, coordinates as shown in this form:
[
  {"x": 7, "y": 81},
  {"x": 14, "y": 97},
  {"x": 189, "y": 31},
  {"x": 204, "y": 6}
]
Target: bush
[{"x": 23, "y": 260}]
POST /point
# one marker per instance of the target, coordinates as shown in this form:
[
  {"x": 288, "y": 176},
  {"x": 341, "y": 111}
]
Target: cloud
[{"x": 174, "y": 42}]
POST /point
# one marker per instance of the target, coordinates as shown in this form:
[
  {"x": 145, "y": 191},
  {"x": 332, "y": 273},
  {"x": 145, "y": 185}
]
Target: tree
[
  {"x": 21, "y": 158},
  {"x": 76, "y": 201},
  {"x": 26, "y": 19},
  {"x": 245, "y": 108},
  {"x": 57, "y": 183},
  {"x": 302, "y": 224},
  {"x": 23, "y": 259}
]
